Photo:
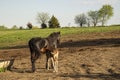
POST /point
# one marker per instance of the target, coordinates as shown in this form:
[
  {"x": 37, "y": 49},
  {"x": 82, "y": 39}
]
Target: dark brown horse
[{"x": 46, "y": 45}]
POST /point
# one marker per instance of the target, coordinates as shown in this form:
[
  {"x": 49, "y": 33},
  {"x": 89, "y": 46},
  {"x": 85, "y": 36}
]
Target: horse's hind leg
[
  {"x": 34, "y": 57},
  {"x": 33, "y": 62}
]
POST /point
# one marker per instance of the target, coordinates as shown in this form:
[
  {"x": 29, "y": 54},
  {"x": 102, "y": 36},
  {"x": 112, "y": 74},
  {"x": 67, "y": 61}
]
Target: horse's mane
[{"x": 54, "y": 35}]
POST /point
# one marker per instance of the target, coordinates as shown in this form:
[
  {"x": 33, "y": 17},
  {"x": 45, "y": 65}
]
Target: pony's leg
[
  {"x": 47, "y": 63},
  {"x": 55, "y": 61},
  {"x": 52, "y": 62},
  {"x": 47, "y": 60}
]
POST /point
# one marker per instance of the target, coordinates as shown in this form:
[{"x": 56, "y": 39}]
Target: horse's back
[{"x": 36, "y": 42}]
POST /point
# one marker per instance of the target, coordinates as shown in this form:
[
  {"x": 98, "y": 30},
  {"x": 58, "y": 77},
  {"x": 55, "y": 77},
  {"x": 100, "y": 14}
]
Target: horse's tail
[
  {"x": 30, "y": 43},
  {"x": 34, "y": 49},
  {"x": 34, "y": 56}
]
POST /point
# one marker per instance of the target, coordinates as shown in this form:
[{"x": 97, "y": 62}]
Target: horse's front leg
[
  {"x": 47, "y": 61},
  {"x": 56, "y": 65},
  {"x": 55, "y": 62}
]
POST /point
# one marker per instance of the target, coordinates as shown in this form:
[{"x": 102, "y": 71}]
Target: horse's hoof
[
  {"x": 55, "y": 71},
  {"x": 33, "y": 71},
  {"x": 47, "y": 68}
]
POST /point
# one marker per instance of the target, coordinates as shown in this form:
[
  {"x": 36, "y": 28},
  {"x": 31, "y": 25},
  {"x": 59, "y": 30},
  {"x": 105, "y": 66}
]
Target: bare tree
[
  {"x": 42, "y": 18},
  {"x": 88, "y": 21},
  {"x": 80, "y": 19},
  {"x": 94, "y": 17}
]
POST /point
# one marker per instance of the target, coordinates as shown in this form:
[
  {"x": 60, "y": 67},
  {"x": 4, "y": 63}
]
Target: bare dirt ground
[{"x": 93, "y": 56}]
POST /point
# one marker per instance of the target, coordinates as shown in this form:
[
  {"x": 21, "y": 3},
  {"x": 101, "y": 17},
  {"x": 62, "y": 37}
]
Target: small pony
[
  {"x": 48, "y": 46},
  {"x": 52, "y": 56}
]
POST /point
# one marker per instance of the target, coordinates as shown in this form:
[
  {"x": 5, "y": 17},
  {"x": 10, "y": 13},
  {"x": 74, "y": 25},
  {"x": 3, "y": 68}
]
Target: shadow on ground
[
  {"x": 112, "y": 42},
  {"x": 102, "y": 76}
]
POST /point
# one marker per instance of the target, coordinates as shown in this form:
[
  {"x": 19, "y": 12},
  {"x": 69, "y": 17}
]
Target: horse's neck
[{"x": 51, "y": 39}]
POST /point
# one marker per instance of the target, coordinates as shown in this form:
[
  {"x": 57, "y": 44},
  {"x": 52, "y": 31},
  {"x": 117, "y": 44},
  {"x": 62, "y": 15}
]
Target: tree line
[
  {"x": 94, "y": 17},
  {"x": 91, "y": 18}
]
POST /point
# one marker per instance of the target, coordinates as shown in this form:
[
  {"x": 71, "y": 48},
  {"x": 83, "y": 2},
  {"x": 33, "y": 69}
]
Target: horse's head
[
  {"x": 55, "y": 36},
  {"x": 58, "y": 37}
]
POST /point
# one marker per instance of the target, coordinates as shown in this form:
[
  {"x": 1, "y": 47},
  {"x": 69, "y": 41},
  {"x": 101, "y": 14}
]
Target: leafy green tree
[
  {"x": 105, "y": 13},
  {"x": 42, "y": 18},
  {"x": 54, "y": 23},
  {"x": 80, "y": 19},
  {"x": 94, "y": 17}
]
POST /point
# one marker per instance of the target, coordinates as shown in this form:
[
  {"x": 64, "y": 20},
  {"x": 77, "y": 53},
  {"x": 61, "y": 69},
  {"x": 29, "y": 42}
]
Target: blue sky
[{"x": 20, "y": 12}]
